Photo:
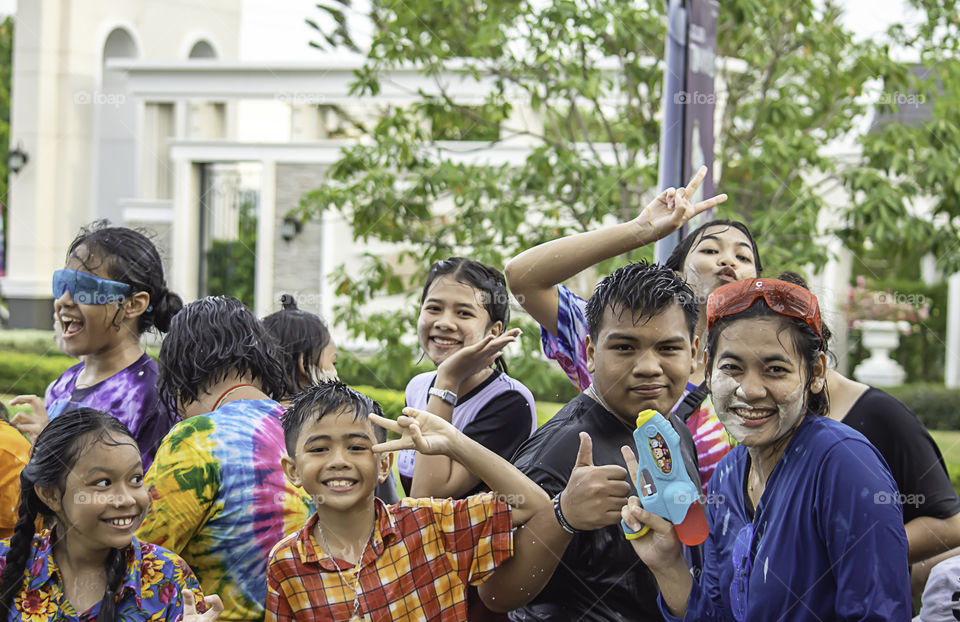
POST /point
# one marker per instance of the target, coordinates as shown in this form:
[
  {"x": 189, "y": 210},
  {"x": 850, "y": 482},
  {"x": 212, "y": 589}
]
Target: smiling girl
[
  {"x": 86, "y": 478},
  {"x": 805, "y": 523},
  {"x": 464, "y": 310},
  {"x": 109, "y": 293}
]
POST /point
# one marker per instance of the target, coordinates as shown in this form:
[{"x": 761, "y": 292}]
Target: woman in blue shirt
[{"x": 805, "y": 520}]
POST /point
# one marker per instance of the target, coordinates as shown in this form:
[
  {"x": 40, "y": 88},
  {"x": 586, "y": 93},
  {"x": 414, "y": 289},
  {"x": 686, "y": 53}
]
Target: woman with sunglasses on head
[
  {"x": 109, "y": 293},
  {"x": 801, "y": 523}
]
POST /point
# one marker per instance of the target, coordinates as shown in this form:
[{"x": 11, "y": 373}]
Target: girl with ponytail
[
  {"x": 109, "y": 293},
  {"x": 85, "y": 479}
]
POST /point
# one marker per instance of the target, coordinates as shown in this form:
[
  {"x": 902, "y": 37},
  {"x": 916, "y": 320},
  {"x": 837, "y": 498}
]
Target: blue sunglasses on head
[{"x": 87, "y": 289}]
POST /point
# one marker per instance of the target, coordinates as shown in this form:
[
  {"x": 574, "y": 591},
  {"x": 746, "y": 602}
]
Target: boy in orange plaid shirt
[{"x": 359, "y": 559}]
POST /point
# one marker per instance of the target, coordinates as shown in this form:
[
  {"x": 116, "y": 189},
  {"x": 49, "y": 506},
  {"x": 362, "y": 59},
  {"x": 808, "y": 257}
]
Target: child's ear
[
  {"x": 136, "y": 305},
  {"x": 706, "y": 372},
  {"x": 289, "y": 466},
  {"x": 496, "y": 328},
  {"x": 51, "y": 497},
  {"x": 302, "y": 376},
  {"x": 384, "y": 464}
]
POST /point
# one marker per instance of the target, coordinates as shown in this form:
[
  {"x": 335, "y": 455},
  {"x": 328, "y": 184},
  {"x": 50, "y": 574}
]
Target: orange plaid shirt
[{"x": 423, "y": 554}]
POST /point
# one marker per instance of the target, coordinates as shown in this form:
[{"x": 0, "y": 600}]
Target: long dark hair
[
  {"x": 130, "y": 258},
  {"x": 490, "y": 285},
  {"x": 679, "y": 255},
  {"x": 301, "y": 337},
  {"x": 57, "y": 449},
  {"x": 211, "y": 338}
]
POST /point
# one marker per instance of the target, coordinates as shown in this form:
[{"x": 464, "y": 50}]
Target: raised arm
[
  {"x": 431, "y": 435},
  {"x": 534, "y": 274}
]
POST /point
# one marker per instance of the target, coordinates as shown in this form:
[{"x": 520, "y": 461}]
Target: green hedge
[
  {"x": 25, "y": 373},
  {"x": 935, "y": 405}
]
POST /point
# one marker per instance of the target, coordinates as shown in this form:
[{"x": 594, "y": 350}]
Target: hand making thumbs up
[{"x": 594, "y": 494}]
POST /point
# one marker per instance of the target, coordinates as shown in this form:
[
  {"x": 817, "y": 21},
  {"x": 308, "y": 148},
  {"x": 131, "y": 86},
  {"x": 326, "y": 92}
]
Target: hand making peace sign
[{"x": 672, "y": 207}]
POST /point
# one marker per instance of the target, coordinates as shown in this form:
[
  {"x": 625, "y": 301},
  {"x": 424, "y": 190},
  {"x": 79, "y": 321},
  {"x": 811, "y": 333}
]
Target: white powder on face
[{"x": 727, "y": 391}]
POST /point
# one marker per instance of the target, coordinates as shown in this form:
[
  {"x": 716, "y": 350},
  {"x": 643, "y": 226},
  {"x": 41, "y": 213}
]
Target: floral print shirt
[{"x": 151, "y": 590}]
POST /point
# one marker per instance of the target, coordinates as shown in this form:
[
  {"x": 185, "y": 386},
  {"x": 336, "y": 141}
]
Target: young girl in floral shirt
[{"x": 86, "y": 478}]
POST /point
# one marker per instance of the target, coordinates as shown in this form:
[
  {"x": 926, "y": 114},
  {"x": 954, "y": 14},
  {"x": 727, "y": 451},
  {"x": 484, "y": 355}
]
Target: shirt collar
[
  {"x": 43, "y": 568},
  {"x": 385, "y": 532}
]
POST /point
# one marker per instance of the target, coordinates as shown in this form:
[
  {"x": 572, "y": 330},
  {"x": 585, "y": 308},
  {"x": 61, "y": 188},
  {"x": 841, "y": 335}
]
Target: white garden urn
[{"x": 880, "y": 337}]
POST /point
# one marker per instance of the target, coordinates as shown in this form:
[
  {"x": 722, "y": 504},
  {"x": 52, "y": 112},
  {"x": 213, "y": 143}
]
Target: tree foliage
[{"x": 590, "y": 73}]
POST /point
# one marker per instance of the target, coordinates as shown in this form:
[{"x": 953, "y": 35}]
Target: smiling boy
[
  {"x": 640, "y": 352},
  {"x": 358, "y": 558}
]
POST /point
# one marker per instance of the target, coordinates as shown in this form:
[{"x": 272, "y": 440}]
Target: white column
[
  {"x": 952, "y": 356},
  {"x": 266, "y": 236},
  {"x": 185, "y": 234}
]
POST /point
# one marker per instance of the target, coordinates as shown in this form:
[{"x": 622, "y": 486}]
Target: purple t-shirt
[{"x": 129, "y": 395}]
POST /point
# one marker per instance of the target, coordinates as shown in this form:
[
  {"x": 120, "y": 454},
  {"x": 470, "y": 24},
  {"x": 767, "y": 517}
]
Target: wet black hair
[
  {"x": 491, "y": 289},
  {"x": 644, "y": 290},
  {"x": 301, "y": 337},
  {"x": 679, "y": 255},
  {"x": 56, "y": 451},
  {"x": 213, "y": 337},
  {"x": 322, "y": 399},
  {"x": 130, "y": 258},
  {"x": 796, "y": 279},
  {"x": 806, "y": 342}
]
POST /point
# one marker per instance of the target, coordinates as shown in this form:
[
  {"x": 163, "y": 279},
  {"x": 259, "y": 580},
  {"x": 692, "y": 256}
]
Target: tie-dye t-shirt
[
  {"x": 569, "y": 348},
  {"x": 220, "y": 500},
  {"x": 129, "y": 395}
]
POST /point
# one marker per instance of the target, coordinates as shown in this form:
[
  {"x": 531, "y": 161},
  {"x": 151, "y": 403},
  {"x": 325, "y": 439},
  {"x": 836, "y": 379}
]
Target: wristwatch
[{"x": 447, "y": 396}]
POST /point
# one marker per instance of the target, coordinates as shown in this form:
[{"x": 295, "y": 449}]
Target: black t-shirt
[
  {"x": 501, "y": 425},
  {"x": 600, "y": 577},
  {"x": 910, "y": 452}
]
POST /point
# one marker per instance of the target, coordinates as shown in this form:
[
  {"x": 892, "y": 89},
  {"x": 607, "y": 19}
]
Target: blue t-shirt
[{"x": 826, "y": 541}]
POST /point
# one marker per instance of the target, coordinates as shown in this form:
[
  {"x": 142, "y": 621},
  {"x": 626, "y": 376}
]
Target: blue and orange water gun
[{"x": 663, "y": 483}]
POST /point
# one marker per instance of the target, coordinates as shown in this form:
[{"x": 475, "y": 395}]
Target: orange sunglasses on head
[{"x": 784, "y": 298}]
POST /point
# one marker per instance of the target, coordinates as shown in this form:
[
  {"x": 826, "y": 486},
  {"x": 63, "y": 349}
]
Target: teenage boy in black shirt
[{"x": 640, "y": 350}]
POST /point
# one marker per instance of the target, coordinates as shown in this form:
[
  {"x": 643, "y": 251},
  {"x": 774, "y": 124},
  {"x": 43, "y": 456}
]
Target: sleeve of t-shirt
[
  {"x": 912, "y": 455},
  {"x": 182, "y": 483},
  {"x": 861, "y": 526},
  {"x": 569, "y": 346},
  {"x": 477, "y": 534},
  {"x": 183, "y": 579},
  {"x": 502, "y": 424}
]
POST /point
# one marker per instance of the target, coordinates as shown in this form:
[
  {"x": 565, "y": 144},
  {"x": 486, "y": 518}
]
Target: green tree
[{"x": 592, "y": 72}]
